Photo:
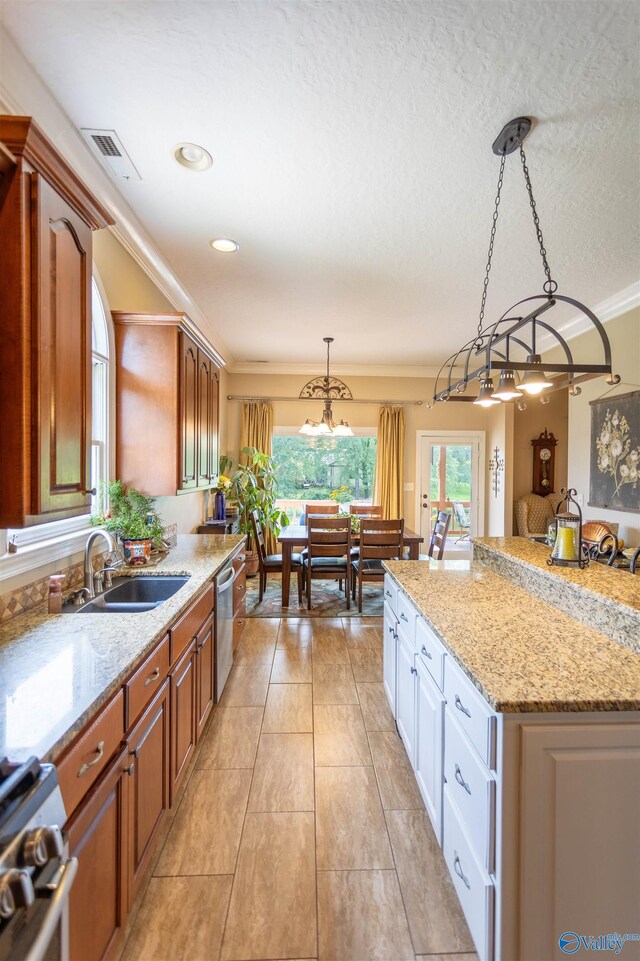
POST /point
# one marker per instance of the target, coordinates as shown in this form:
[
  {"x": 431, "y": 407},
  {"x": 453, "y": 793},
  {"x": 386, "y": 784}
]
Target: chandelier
[
  {"x": 511, "y": 344},
  {"x": 326, "y": 388}
]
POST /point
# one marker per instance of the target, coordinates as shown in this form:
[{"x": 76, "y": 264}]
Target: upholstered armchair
[{"x": 535, "y": 513}]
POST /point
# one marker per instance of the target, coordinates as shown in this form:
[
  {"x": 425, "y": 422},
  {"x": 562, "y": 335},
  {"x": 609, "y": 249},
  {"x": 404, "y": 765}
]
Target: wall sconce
[{"x": 496, "y": 466}]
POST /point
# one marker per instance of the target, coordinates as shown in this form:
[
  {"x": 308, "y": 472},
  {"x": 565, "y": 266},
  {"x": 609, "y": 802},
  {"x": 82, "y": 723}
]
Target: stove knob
[
  {"x": 16, "y": 891},
  {"x": 41, "y": 845}
]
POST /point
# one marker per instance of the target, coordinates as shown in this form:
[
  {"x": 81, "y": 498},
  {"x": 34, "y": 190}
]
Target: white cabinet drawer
[
  {"x": 390, "y": 656},
  {"x": 473, "y": 885},
  {"x": 471, "y": 711},
  {"x": 407, "y": 616},
  {"x": 390, "y": 592},
  {"x": 406, "y": 673},
  {"x": 428, "y": 748},
  {"x": 431, "y": 650},
  {"x": 472, "y": 788}
]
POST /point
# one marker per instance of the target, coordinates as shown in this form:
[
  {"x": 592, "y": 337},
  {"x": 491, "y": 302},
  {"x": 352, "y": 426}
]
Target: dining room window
[{"x": 313, "y": 468}]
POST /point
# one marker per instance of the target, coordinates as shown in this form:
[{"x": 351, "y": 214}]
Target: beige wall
[
  {"x": 624, "y": 336},
  {"x": 529, "y": 424},
  {"x": 497, "y": 422},
  {"x": 126, "y": 284}
]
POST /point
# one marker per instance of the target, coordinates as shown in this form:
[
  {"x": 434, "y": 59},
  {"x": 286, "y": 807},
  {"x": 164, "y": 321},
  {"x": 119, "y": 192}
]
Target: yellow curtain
[
  {"x": 256, "y": 431},
  {"x": 257, "y": 426},
  {"x": 388, "y": 482}
]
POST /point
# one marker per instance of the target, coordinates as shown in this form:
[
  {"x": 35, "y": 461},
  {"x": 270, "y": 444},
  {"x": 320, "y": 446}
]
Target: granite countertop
[
  {"x": 601, "y": 597},
  {"x": 521, "y": 653},
  {"x": 56, "y": 671}
]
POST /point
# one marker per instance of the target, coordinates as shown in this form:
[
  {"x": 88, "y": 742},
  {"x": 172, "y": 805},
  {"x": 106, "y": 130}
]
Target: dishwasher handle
[{"x": 224, "y": 584}]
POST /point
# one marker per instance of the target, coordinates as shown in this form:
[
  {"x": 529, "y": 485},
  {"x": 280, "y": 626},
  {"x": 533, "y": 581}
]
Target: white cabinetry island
[{"x": 523, "y": 729}]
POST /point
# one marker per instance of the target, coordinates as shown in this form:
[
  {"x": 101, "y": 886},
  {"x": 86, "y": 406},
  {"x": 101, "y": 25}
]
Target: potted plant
[
  {"x": 253, "y": 487},
  {"x": 131, "y": 516}
]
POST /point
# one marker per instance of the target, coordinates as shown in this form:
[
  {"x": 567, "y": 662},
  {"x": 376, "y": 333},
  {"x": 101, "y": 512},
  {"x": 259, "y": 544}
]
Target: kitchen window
[{"x": 58, "y": 536}]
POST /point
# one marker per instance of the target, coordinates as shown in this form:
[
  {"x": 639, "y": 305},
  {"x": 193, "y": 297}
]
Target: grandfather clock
[{"x": 544, "y": 453}]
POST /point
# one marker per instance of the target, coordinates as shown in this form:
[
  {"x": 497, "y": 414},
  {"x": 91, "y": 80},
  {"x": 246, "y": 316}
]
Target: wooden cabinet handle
[{"x": 85, "y": 767}]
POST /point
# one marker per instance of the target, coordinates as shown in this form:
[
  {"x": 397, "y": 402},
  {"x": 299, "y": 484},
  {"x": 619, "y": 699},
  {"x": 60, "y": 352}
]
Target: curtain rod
[{"x": 335, "y": 400}]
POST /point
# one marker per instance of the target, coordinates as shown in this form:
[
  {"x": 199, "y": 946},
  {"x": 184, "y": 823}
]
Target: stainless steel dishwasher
[{"x": 224, "y": 627}]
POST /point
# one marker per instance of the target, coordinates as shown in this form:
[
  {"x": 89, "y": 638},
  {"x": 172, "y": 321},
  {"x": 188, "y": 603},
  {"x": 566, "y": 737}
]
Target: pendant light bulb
[
  {"x": 534, "y": 381},
  {"x": 309, "y": 427},
  {"x": 485, "y": 398},
  {"x": 507, "y": 386}
]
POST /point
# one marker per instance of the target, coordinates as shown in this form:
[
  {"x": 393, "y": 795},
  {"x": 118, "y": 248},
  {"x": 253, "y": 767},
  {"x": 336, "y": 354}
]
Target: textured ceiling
[{"x": 352, "y": 161}]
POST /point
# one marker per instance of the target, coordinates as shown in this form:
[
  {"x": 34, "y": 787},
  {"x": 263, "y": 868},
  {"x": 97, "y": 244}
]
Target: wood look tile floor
[{"x": 301, "y": 833}]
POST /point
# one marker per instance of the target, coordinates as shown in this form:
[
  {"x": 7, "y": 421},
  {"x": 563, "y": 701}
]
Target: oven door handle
[{"x": 56, "y": 906}]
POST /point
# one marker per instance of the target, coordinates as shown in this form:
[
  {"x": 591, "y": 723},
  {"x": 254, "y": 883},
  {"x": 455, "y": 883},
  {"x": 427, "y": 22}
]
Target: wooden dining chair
[
  {"x": 311, "y": 510},
  {"x": 439, "y": 534},
  {"x": 272, "y": 563},
  {"x": 379, "y": 541},
  {"x": 368, "y": 510},
  {"x": 328, "y": 554}
]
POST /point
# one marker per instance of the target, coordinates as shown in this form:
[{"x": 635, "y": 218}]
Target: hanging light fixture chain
[
  {"x": 550, "y": 286},
  {"x": 492, "y": 238}
]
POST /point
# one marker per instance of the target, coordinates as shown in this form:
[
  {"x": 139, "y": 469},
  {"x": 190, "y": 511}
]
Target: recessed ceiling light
[
  {"x": 191, "y": 156},
  {"x": 225, "y": 245}
]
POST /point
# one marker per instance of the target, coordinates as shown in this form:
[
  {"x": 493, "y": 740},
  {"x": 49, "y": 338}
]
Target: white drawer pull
[
  {"x": 461, "y": 781},
  {"x": 457, "y": 867},
  {"x": 403, "y": 617},
  {"x": 458, "y": 703},
  {"x": 426, "y": 653}
]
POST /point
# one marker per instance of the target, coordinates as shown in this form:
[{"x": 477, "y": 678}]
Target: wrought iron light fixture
[
  {"x": 501, "y": 346},
  {"x": 326, "y": 388}
]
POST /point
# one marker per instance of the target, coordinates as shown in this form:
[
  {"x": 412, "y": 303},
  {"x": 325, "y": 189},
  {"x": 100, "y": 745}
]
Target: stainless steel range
[{"x": 36, "y": 873}]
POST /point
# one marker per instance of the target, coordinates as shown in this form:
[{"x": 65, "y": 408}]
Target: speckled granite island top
[
  {"x": 602, "y": 597},
  {"x": 521, "y": 653},
  {"x": 57, "y": 670}
]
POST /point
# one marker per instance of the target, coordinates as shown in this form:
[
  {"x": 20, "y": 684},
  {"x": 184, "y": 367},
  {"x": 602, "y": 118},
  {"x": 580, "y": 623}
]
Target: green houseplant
[
  {"x": 131, "y": 516},
  {"x": 253, "y": 487}
]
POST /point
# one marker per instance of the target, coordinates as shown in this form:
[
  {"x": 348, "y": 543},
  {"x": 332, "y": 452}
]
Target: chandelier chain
[
  {"x": 550, "y": 286},
  {"x": 492, "y": 238}
]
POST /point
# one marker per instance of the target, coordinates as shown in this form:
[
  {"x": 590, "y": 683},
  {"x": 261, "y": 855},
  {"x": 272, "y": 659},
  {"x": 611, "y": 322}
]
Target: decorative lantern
[{"x": 567, "y": 549}]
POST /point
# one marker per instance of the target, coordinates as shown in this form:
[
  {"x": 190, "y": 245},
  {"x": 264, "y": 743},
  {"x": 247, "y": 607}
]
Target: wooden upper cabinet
[
  {"x": 46, "y": 220},
  {"x": 166, "y": 405}
]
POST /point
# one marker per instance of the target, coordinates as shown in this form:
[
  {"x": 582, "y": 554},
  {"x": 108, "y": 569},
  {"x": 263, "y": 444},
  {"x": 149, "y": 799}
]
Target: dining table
[{"x": 297, "y": 535}]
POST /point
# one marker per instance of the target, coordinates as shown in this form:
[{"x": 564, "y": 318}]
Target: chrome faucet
[{"x": 88, "y": 572}]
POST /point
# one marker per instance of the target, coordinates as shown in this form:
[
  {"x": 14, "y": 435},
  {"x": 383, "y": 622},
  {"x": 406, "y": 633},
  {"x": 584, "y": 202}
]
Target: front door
[{"x": 449, "y": 481}]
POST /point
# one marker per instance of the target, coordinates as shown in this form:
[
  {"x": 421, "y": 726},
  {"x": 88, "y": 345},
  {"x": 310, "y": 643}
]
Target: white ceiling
[{"x": 352, "y": 162}]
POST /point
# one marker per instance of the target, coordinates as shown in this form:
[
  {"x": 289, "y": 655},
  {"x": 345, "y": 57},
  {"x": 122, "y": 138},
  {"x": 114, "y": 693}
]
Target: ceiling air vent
[{"x": 107, "y": 147}]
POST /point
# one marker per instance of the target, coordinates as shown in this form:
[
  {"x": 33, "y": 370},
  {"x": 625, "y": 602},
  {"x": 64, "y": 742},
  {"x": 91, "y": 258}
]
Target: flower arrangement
[
  {"x": 342, "y": 495},
  {"x": 615, "y": 454},
  {"x": 223, "y": 483}
]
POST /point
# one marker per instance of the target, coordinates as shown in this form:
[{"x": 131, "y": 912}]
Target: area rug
[{"x": 327, "y": 600}]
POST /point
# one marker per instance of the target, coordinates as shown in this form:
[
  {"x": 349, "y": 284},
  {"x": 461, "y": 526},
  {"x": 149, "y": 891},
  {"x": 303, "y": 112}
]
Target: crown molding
[
  {"x": 608, "y": 309},
  {"x": 22, "y": 92},
  {"x": 340, "y": 370}
]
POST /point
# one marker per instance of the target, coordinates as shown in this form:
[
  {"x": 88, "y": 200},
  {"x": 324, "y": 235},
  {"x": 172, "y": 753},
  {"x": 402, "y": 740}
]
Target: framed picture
[{"x": 614, "y": 466}]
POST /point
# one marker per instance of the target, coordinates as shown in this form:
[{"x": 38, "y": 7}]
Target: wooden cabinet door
[
  {"x": 205, "y": 674},
  {"x": 61, "y": 353},
  {"x": 428, "y": 747},
  {"x": 214, "y": 403},
  {"x": 149, "y": 759},
  {"x": 183, "y": 716},
  {"x": 406, "y": 694},
  {"x": 205, "y": 429},
  {"x": 188, "y": 414},
  {"x": 98, "y": 838}
]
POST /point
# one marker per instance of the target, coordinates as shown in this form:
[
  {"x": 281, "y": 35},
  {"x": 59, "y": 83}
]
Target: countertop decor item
[
  {"x": 326, "y": 388},
  {"x": 512, "y": 343},
  {"x": 567, "y": 548},
  {"x": 131, "y": 516}
]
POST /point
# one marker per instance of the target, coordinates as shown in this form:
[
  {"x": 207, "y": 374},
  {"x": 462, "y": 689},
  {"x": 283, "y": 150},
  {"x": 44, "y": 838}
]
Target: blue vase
[{"x": 221, "y": 506}]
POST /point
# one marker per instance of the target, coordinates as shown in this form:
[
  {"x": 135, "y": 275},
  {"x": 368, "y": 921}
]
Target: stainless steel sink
[{"x": 131, "y": 595}]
